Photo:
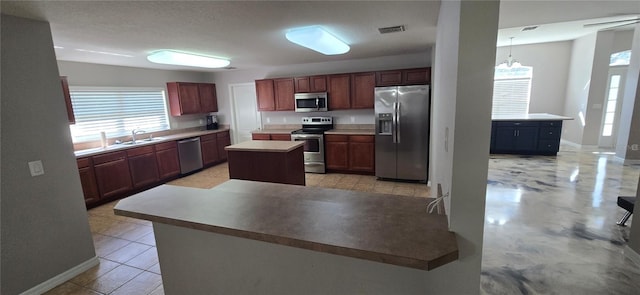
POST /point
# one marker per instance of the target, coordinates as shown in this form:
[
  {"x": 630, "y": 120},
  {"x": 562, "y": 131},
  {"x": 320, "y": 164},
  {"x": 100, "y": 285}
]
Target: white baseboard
[
  {"x": 63, "y": 277},
  {"x": 570, "y": 143},
  {"x": 631, "y": 254}
]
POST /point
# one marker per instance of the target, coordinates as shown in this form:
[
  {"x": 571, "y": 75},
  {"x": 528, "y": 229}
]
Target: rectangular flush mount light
[
  {"x": 170, "y": 57},
  {"x": 316, "y": 38}
]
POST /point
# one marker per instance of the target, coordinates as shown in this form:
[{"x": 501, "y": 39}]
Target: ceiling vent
[
  {"x": 531, "y": 28},
  {"x": 388, "y": 30}
]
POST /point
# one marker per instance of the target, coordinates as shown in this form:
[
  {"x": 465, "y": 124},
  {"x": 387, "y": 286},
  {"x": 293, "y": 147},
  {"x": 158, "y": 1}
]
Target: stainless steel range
[{"x": 312, "y": 133}]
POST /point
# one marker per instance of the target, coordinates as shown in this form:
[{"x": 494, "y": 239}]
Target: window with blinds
[
  {"x": 116, "y": 111},
  {"x": 511, "y": 90}
]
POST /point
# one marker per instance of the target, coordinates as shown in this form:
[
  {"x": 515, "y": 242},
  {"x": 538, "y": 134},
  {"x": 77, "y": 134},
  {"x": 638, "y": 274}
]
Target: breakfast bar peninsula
[{"x": 247, "y": 237}]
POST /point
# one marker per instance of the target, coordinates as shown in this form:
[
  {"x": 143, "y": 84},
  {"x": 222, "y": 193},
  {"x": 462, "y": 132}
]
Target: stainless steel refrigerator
[{"x": 402, "y": 132}]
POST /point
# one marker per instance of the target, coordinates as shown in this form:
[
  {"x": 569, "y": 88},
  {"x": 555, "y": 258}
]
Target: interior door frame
[
  {"x": 232, "y": 100},
  {"x": 614, "y": 70}
]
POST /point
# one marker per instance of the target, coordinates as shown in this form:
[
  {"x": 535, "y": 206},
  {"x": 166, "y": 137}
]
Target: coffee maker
[{"x": 212, "y": 122}]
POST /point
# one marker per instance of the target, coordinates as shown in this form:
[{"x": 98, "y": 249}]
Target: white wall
[
  {"x": 86, "y": 74},
  {"x": 462, "y": 94},
  {"x": 223, "y": 79},
  {"x": 597, "y": 87},
  {"x": 44, "y": 225},
  {"x": 550, "y": 62},
  {"x": 629, "y": 132}
]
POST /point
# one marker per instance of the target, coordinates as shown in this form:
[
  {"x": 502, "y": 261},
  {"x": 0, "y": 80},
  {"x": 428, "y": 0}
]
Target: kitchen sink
[{"x": 139, "y": 141}]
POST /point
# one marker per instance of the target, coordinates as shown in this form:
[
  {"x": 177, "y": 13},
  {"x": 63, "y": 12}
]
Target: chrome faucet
[{"x": 134, "y": 132}]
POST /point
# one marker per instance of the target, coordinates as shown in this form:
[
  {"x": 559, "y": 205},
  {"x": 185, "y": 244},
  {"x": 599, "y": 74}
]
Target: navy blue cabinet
[{"x": 525, "y": 137}]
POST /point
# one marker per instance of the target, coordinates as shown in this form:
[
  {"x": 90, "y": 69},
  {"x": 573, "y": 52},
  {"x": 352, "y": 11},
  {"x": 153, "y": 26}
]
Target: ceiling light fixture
[
  {"x": 510, "y": 62},
  {"x": 170, "y": 57},
  {"x": 317, "y": 39}
]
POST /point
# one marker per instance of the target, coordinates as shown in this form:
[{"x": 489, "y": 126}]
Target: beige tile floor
[{"x": 126, "y": 246}]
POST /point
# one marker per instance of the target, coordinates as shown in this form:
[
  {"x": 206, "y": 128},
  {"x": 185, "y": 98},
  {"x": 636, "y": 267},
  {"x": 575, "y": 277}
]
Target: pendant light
[{"x": 510, "y": 62}]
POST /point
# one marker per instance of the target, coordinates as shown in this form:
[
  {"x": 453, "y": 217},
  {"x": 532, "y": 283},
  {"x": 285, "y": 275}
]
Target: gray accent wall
[{"x": 44, "y": 225}]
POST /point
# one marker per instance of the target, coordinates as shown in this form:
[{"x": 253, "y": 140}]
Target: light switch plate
[{"x": 36, "y": 168}]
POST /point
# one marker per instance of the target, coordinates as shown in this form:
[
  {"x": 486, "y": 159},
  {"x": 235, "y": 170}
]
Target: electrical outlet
[
  {"x": 201, "y": 121},
  {"x": 268, "y": 120},
  {"x": 284, "y": 119},
  {"x": 353, "y": 119},
  {"x": 36, "y": 168}
]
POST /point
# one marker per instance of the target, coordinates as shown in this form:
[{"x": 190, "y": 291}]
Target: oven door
[{"x": 313, "y": 151}]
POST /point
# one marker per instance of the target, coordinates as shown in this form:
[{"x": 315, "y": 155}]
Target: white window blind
[
  {"x": 511, "y": 91},
  {"x": 116, "y": 111}
]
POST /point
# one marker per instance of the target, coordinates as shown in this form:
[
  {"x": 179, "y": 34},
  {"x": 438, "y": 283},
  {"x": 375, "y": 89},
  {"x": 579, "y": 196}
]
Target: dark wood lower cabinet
[
  {"x": 336, "y": 154},
  {"x": 88, "y": 181},
  {"x": 526, "y": 137},
  {"x": 223, "y": 140},
  {"x": 144, "y": 170},
  {"x": 209, "y": 147},
  {"x": 113, "y": 177},
  {"x": 350, "y": 153},
  {"x": 168, "y": 161},
  {"x": 361, "y": 153}
]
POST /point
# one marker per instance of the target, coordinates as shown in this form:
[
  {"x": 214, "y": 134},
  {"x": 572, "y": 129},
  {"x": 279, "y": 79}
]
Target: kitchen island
[
  {"x": 530, "y": 134},
  {"x": 245, "y": 237},
  {"x": 269, "y": 161}
]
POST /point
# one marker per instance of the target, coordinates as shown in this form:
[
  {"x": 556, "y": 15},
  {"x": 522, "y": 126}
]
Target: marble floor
[{"x": 549, "y": 228}]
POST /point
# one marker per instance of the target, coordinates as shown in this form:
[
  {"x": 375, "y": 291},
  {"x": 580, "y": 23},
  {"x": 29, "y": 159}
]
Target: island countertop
[
  {"x": 531, "y": 117},
  {"x": 265, "y": 146},
  {"x": 389, "y": 229}
]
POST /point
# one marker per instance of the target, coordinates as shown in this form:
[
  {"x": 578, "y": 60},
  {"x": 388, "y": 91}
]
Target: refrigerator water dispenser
[{"x": 385, "y": 124}]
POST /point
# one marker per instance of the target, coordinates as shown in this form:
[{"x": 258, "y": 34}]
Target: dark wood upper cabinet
[
  {"x": 363, "y": 90},
  {"x": 389, "y": 78},
  {"x": 192, "y": 98},
  {"x": 265, "y": 95},
  {"x": 318, "y": 83},
  {"x": 417, "y": 76},
  {"x": 302, "y": 84},
  {"x": 284, "y": 94},
  {"x": 67, "y": 99},
  {"x": 339, "y": 90}
]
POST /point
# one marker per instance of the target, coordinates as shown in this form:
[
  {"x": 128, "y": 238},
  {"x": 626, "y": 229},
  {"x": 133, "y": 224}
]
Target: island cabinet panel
[
  {"x": 191, "y": 98},
  {"x": 339, "y": 91},
  {"x": 337, "y": 152},
  {"x": 284, "y": 94},
  {"x": 167, "y": 160},
  {"x": 67, "y": 99},
  {"x": 526, "y": 137},
  {"x": 284, "y": 137},
  {"x": 261, "y": 136},
  {"x": 265, "y": 95},
  {"x": 224, "y": 139},
  {"x": 350, "y": 153},
  {"x": 143, "y": 166},
  {"x": 361, "y": 153},
  {"x": 208, "y": 97},
  {"x": 363, "y": 90},
  {"x": 209, "y": 147},
  {"x": 112, "y": 174},
  {"x": 271, "y": 136},
  {"x": 88, "y": 181}
]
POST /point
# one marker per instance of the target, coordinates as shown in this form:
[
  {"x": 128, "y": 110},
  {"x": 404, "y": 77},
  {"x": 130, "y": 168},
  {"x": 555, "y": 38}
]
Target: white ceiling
[{"x": 251, "y": 33}]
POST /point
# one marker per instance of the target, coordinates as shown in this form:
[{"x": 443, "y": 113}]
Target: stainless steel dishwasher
[{"x": 190, "y": 155}]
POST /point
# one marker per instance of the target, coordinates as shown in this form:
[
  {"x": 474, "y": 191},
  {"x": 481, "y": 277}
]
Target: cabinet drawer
[
  {"x": 140, "y": 151},
  {"x": 166, "y": 145},
  {"x": 516, "y": 124},
  {"x": 99, "y": 159},
  {"x": 84, "y": 162},
  {"x": 208, "y": 137},
  {"x": 222, "y": 134},
  {"x": 548, "y": 146},
  {"x": 550, "y": 133},
  {"x": 336, "y": 138},
  {"x": 550, "y": 123},
  {"x": 361, "y": 138}
]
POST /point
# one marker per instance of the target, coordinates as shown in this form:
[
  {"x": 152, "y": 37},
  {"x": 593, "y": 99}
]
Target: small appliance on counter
[{"x": 212, "y": 122}]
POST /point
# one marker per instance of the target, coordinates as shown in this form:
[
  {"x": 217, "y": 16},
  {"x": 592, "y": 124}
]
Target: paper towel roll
[{"x": 103, "y": 139}]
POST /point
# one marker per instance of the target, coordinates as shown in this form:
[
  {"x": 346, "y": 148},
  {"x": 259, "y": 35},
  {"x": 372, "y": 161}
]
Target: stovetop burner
[
  {"x": 310, "y": 131},
  {"x": 315, "y": 125}
]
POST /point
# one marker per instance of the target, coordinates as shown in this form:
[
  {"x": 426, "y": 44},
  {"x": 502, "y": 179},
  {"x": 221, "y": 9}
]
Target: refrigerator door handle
[
  {"x": 398, "y": 115},
  {"x": 394, "y": 127}
]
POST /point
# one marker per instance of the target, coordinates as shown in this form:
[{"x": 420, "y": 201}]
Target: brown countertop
[
  {"x": 273, "y": 131},
  {"x": 351, "y": 131},
  {"x": 143, "y": 142},
  {"x": 265, "y": 146},
  {"x": 377, "y": 227}
]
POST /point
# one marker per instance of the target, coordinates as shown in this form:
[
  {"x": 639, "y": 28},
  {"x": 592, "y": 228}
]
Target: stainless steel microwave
[{"x": 311, "y": 102}]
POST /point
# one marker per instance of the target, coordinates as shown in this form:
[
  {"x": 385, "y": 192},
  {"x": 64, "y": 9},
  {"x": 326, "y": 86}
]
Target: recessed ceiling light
[
  {"x": 317, "y": 39},
  {"x": 171, "y": 57},
  {"x": 103, "y": 52}
]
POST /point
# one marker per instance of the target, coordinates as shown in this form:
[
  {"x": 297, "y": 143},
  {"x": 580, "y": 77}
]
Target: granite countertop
[
  {"x": 383, "y": 228},
  {"x": 266, "y": 146},
  {"x": 351, "y": 131},
  {"x": 143, "y": 142},
  {"x": 531, "y": 117}
]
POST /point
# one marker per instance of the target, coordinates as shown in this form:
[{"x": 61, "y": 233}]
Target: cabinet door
[
  {"x": 224, "y": 139},
  {"x": 89, "y": 185},
  {"x": 282, "y": 137},
  {"x": 361, "y": 153},
  {"x": 363, "y": 88},
  {"x": 260, "y": 136},
  {"x": 283, "y": 91},
  {"x": 526, "y": 139},
  {"x": 318, "y": 83},
  {"x": 302, "y": 84},
  {"x": 183, "y": 98},
  {"x": 339, "y": 91},
  {"x": 504, "y": 138},
  {"x": 265, "y": 95},
  {"x": 336, "y": 155},
  {"x": 209, "y": 151},
  {"x": 67, "y": 99},
  {"x": 208, "y": 97},
  {"x": 416, "y": 76},
  {"x": 144, "y": 169},
  {"x": 389, "y": 78},
  {"x": 168, "y": 163},
  {"x": 113, "y": 178}
]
